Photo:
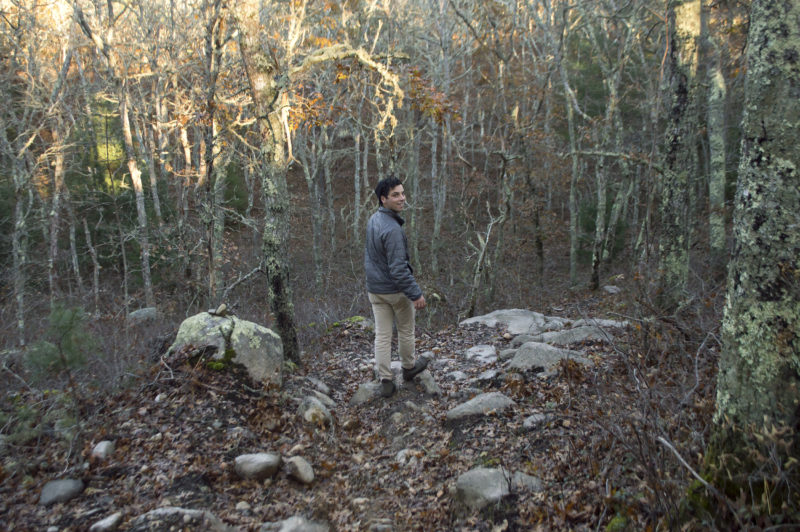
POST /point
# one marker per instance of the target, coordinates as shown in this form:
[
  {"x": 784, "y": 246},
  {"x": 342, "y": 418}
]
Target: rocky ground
[{"x": 582, "y": 430}]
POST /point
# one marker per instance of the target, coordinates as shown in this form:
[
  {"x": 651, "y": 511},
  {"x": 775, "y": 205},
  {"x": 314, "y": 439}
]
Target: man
[{"x": 392, "y": 289}]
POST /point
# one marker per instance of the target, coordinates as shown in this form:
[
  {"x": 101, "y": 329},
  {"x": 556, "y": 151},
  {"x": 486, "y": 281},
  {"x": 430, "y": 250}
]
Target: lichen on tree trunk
[{"x": 759, "y": 369}]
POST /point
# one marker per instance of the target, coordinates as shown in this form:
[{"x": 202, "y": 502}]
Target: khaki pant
[{"x": 391, "y": 309}]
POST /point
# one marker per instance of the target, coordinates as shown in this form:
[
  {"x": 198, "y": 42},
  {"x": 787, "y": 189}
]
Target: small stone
[
  {"x": 481, "y": 486},
  {"x": 428, "y": 383},
  {"x": 103, "y": 450},
  {"x": 533, "y": 421},
  {"x": 60, "y": 491},
  {"x": 243, "y": 506},
  {"x": 319, "y": 385},
  {"x": 611, "y": 289},
  {"x": 484, "y": 404},
  {"x": 296, "y": 523},
  {"x": 257, "y": 466},
  {"x": 314, "y": 412},
  {"x": 299, "y": 469},
  {"x": 109, "y": 523}
]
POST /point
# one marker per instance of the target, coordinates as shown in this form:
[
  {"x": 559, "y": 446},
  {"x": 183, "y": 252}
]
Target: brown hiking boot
[{"x": 419, "y": 367}]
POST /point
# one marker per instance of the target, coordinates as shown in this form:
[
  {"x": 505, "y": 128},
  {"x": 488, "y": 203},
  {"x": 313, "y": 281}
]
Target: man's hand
[{"x": 419, "y": 304}]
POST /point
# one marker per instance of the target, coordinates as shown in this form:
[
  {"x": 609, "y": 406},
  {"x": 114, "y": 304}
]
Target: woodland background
[{"x": 180, "y": 155}]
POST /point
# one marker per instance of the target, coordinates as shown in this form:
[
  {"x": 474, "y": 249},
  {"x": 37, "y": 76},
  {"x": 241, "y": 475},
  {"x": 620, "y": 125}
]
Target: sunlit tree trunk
[
  {"x": 717, "y": 96},
  {"x": 758, "y": 386},
  {"x": 147, "y": 152},
  {"x": 680, "y": 151},
  {"x": 138, "y": 189}
]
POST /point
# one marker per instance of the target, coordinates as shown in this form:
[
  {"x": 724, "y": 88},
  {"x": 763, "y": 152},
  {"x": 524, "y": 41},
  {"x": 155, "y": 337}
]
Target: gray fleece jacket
[{"x": 386, "y": 256}]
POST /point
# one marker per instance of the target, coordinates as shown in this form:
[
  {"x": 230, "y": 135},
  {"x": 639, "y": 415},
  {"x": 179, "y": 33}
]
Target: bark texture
[
  {"x": 760, "y": 362},
  {"x": 680, "y": 152}
]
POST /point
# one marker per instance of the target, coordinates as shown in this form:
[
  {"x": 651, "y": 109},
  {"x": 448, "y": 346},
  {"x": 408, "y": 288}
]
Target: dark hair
[{"x": 385, "y": 185}]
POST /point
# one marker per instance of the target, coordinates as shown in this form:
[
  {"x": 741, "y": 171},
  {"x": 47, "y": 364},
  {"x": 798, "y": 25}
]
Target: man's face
[{"x": 396, "y": 200}]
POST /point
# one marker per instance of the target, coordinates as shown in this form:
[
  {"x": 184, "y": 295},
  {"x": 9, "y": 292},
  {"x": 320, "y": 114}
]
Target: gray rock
[
  {"x": 253, "y": 346},
  {"x": 295, "y": 524},
  {"x": 174, "y": 518},
  {"x": 488, "y": 375},
  {"x": 299, "y": 469},
  {"x": 406, "y": 457},
  {"x": 518, "y": 321},
  {"x": 535, "y": 356},
  {"x": 457, "y": 375},
  {"x": 428, "y": 384},
  {"x": 319, "y": 385},
  {"x": 481, "y": 405},
  {"x": 612, "y": 289},
  {"x": 257, "y": 466},
  {"x": 142, "y": 315},
  {"x": 483, "y": 354},
  {"x": 324, "y": 399},
  {"x": 380, "y": 525},
  {"x": 366, "y": 392},
  {"x": 465, "y": 393},
  {"x": 481, "y": 487},
  {"x": 109, "y": 523},
  {"x": 103, "y": 450},
  {"x": 597, "y": 322},
  {"x": 60, "y": 491},
  {"x": 573, "y": 336},
  {"x": 506, "y": 354},
  {"x": 314, "y": 412},
  {"x": 524, "y": 482},
  {"x": 524, "y": 339},
  {"x": 535, "y": 420}
]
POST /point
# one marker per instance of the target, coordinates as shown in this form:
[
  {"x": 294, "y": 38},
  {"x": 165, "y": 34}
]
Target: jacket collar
[{"x": 391, "y": 213}]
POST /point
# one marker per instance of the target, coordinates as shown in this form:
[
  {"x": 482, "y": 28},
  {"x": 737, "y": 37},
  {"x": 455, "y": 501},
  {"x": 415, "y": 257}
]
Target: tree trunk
[
  {"x": 573, "y": 198},
  {"x": 19, "y": 245},
  {"x": 717, "y": 95},
  {"x": 758, "y": 386},
  {"x": 55, "y": 213},
  {"x": 307, "y": 150},
  {"x": 95, "y": 266},
  {"x": 357, "y": 187},
  {"x": 271, "y": 105},
  {"x": 136, "y": 181},
  {"x": 680, "y": 155}
]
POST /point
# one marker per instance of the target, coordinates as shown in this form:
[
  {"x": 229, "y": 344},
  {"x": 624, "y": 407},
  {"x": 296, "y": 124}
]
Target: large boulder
[
  {"x": 231, "y": 340},
  {"x": 518, "y": 321},
  {"x": 535, "y": 356}
]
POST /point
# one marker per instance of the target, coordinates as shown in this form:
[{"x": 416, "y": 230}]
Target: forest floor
[{"x": 180, "y": 426}]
